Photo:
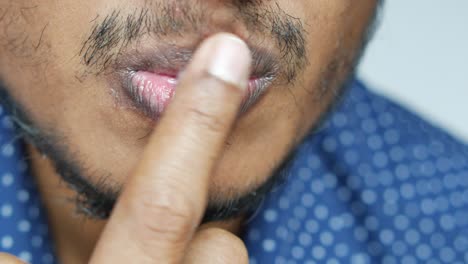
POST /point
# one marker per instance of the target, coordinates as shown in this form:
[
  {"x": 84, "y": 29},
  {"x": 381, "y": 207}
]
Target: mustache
[{"x": 113, "y": 33}]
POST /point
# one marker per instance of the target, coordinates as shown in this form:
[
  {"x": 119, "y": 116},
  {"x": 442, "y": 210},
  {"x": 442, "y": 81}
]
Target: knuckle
[
  {"x": 163, "y": 217},
  {"x": 208, "y": 119}
]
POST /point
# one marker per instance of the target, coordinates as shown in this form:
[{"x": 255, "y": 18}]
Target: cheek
[
  {"x": 335, "y": 31},
  {"x": 25, "y": 55},
  {"x": 19, "y": 34},
  {"x": 265, "y": 135},
  {"x": 41, "y": 75}
]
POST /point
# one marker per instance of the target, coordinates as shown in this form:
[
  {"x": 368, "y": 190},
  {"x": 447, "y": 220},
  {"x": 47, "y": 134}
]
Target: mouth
[{"x": 149, "y": 78}]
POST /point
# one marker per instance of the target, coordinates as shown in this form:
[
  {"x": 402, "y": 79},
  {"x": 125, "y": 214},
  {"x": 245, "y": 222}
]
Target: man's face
[{"x": 71, "y": 67}]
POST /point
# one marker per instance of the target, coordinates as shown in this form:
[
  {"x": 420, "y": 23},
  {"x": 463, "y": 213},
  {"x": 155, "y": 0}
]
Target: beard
[{"x": 96, "y": 198}]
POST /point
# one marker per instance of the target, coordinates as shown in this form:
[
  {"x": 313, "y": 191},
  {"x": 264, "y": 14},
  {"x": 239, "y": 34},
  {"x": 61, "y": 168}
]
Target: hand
[
  {"x": 9, "y": 259},
  {"x": 157, "y": 215},
  {"x": 159, "y": 211}
]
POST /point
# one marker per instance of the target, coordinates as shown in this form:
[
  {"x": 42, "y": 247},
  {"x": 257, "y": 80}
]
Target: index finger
[{"x": 163, "y": 201}]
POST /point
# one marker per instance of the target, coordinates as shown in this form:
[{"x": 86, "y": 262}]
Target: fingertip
[{"x": 225, "y": 57}]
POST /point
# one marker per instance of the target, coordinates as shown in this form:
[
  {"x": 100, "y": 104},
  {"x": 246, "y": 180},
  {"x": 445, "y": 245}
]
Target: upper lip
[{"x": 169, "y": 60}]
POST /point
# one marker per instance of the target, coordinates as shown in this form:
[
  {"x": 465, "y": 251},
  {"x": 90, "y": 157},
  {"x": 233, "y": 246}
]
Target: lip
[
  {"x": 148, "y": 78},
  {"x": 154, "y": 91}
]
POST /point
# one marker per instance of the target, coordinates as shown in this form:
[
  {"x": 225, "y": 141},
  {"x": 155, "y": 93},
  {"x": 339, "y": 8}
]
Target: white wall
[{"x": 419, "y": 56}]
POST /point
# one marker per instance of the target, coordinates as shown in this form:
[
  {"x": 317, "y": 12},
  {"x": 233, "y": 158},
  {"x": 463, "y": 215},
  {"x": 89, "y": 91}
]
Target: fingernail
[{"x": 230, "y": 60}]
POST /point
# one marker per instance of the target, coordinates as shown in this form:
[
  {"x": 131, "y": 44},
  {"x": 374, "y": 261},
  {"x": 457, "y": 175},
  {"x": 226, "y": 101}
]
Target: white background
[{"x": 419, "y": 57}]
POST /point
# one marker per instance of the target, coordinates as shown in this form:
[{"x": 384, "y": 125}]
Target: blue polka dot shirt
[{"x": 374, "y": 184}]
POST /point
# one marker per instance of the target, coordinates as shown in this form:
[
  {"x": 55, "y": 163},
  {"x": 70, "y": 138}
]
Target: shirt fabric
[{"x": 374, "y": 184}]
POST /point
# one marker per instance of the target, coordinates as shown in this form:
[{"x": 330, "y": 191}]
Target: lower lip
[{"x": 154, "y": 91}]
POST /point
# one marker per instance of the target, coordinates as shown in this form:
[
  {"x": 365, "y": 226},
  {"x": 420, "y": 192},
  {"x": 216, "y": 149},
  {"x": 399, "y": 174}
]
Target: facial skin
[{"x": 60, "y": 62}]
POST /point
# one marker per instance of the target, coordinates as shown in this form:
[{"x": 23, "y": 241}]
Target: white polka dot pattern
[
  {"x": 22, "y": 223},
  {"x": 375, "y": 184}
]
